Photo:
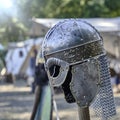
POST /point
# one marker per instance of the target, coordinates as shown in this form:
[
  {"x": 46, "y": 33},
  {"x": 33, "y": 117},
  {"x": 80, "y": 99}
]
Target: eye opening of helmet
[{"x": 54, "y": 70}]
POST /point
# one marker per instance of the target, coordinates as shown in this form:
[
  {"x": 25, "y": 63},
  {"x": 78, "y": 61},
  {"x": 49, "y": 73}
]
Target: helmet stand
[{"x": 83, "y": 113}]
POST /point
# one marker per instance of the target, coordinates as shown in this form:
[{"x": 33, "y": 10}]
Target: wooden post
[{"x": 83, "y": 113}]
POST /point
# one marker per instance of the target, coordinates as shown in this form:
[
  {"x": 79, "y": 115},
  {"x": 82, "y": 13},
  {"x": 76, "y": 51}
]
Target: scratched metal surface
[
  {"x": 85, "y": 82},
  {"x": 79, "y": 53},
  {"x": 69, "y": 33}
]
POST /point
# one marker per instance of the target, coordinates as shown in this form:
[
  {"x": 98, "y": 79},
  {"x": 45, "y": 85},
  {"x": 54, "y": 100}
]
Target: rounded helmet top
[{"x": 67, "y": 34}]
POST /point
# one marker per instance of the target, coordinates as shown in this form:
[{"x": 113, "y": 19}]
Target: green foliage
[
  {"x": 10, "y": 30},
  {"x": 113, "y": 4},
  {"x": 12, "y": 26},
  {"x": 114, "y": 7},
  {"x": 74, "y": 9}
]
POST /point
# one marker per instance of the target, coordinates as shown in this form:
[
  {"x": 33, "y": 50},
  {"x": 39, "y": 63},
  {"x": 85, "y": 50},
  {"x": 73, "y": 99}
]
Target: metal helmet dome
[{"x": 69, "y": 33}]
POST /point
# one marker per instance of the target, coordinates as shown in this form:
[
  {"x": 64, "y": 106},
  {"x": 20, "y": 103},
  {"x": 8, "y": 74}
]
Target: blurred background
[{"x": 23, "y": 25}]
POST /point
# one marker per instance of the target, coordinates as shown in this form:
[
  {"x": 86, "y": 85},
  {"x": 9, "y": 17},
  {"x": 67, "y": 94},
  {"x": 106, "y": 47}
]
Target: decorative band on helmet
[{"x": 79, "y": 53}]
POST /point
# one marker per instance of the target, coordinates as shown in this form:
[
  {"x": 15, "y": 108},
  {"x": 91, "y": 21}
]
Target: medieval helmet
[{"x": 76, "y": 60}]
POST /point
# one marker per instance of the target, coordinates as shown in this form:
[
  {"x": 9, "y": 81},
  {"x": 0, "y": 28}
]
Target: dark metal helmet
[{"x": 73, "y": 52}]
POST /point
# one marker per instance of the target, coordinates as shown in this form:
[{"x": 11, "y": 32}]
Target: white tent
[{"x": 17, "y": 64}]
